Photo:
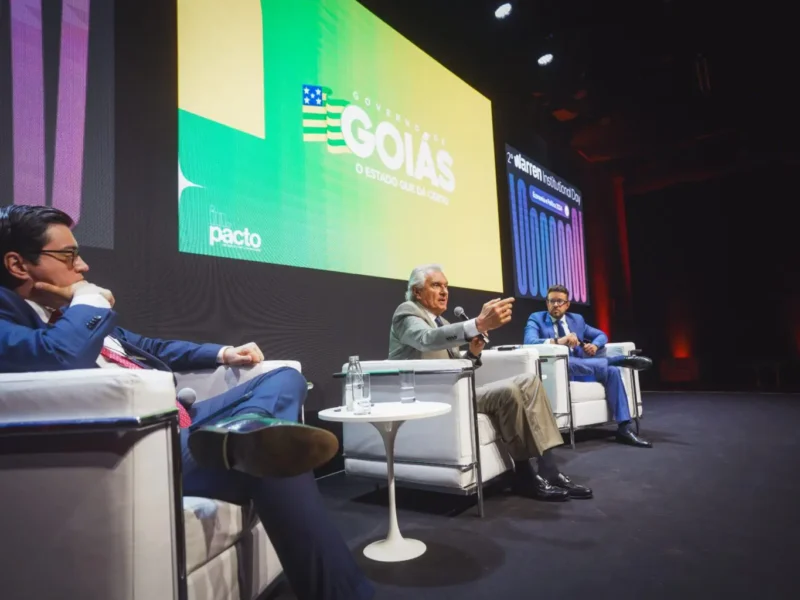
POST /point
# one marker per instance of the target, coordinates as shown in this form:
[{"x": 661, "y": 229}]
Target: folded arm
[
  {"x": 598, "y": 338},
  {"x": 177, "y": 355},
  {"x": 74, "y": 342}
]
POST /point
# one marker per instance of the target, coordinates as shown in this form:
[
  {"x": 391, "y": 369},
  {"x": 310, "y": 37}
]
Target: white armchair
[
  {"x": 577, "y": 404},
  {"x": 458, "y": 452},
  {"x": 89, "y": 468}
]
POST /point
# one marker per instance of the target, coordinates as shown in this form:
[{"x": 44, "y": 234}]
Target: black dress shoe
[
  {"x": 262, "y": 446},
  {"x": 631, "y": 439},
  {"x": 637, "y": 363},
  {"x": 539, "y": 489},
  {"x": 575, "y": 491}
]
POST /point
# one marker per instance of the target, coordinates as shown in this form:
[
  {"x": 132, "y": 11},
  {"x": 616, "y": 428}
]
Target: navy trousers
[
  {"x": 603, "y": 371},
  {"x": 317, "y": 562}
]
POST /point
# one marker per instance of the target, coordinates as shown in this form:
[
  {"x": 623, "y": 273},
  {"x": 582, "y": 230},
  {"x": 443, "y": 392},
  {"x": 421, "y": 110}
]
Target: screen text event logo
[{"x": 414, "y": 161}]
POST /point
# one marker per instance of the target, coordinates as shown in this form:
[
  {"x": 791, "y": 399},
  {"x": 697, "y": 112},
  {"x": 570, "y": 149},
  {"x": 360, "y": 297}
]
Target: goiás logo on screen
[{"x": 348, "y": 128}]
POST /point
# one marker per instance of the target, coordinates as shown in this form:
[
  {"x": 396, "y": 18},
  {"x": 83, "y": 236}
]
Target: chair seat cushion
[
  {"x": 586, "y": 391},
  {"x": 212, "y": 526}
]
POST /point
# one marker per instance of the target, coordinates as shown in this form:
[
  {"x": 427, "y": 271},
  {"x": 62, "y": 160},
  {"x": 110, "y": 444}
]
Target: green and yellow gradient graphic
[{"x": 266, "y": 177}]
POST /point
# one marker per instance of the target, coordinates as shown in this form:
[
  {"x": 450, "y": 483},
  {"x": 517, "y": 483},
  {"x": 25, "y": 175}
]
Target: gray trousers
[{"x": 521, "y": 413}]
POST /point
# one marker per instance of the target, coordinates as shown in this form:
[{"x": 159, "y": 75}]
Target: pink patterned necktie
[{"x": 183, "y": 416}]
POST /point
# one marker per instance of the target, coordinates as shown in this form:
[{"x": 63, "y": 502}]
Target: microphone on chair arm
[
  {"x": 459, "y": 312},
  {"x": 187, "y": 396}
]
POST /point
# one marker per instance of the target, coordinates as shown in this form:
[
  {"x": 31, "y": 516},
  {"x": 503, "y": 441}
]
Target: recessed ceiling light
[
  {"x": 545, "y": 59},
  {"x": 503, "y": 10}
]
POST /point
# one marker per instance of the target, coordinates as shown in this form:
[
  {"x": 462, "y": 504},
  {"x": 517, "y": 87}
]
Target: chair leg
[
  {"x": 571, "y": 412},
  {"x": 476, "y": 447}
]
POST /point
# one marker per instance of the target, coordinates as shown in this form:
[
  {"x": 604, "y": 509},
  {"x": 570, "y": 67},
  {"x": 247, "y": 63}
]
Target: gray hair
[{"x": 418, "y": 277}]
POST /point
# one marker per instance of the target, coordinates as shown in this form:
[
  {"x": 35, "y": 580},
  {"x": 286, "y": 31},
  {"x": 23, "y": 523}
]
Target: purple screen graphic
[
  {"x": 547, "y": 230},
  {"x": 56, "y": 110}
]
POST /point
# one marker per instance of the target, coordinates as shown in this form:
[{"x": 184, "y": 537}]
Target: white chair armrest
[
  {"x": 55, "y": 396},
  {"x": 617, "y": 348},
  {"x": 502, "y": 364},
  {"x": 549, "y": 350},
  {"x": 435, "y": 364},
  {"x": 212, "y": 382}
]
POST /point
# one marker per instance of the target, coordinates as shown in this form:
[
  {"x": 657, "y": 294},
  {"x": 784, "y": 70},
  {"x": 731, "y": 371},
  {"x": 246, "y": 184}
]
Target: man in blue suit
[
  {"x": 587, "y": 360},
  {"x": 245, "y": 445}
]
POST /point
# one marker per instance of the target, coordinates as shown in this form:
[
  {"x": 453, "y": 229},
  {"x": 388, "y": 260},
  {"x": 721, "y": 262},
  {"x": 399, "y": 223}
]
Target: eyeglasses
[
  {"x": 70, "y": 255},
  {"x": 557, "y": 302}
]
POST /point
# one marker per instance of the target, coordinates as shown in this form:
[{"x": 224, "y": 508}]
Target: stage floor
[{"x": 713, "y": 510}]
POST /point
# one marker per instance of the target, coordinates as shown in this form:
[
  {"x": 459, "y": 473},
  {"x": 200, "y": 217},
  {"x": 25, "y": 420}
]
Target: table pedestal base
[{"x": 394, "y": 550}]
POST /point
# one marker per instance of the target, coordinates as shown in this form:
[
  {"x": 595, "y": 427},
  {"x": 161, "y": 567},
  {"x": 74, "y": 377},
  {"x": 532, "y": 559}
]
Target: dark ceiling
[{"x": 658, "y": 91}]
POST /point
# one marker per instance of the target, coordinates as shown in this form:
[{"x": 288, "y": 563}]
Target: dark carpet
[{"x": 713, "y": 510}]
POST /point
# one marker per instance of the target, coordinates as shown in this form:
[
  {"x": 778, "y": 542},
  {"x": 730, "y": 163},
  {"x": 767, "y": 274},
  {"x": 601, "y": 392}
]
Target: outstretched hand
[{"x": 494, "y": 314}]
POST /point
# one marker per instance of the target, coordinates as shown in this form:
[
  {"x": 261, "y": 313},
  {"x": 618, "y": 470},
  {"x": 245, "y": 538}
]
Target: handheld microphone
[
  {"x": 459, "y": 312},
  {"x": 187, "y": 397}
]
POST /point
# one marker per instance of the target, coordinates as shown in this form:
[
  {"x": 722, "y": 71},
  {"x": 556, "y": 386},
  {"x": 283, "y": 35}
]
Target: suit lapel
[
  {"x": 451, "y": 352},
  {"x": 424, "y": 314},
  {"x": 573, "y": 326},
  {"x": 548, "y": 330}
]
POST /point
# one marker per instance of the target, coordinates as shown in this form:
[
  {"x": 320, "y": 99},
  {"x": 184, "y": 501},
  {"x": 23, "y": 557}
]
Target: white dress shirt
[{"x": 88, "y": 295}]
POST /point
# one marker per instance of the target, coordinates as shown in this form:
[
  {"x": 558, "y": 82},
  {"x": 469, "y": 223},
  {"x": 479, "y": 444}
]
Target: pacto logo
[
  {"x": 239, "y": 238},
  {"x": 220, "y": 231}
]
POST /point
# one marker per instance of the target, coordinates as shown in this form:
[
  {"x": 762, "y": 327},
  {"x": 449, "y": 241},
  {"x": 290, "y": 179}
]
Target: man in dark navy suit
[
  {"x": 246, "y": 446},
  {"x": 587, "y": 360}
]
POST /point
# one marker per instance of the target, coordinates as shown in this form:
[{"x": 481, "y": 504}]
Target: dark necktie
[
  {"x": 561, "y": 331},
  {"x": 438, "y": 321}
]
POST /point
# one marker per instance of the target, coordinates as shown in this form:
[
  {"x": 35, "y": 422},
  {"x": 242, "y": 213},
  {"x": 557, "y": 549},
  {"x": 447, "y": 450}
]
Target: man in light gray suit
[{"x": 518, "y": 406}]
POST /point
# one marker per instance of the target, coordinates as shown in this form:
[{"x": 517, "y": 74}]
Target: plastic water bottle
[{"x": 354, "y": 388}]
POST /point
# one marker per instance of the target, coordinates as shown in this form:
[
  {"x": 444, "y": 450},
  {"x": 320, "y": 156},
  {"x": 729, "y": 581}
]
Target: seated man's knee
[
  {"x": 581, "y": 368},
  {"x": 291, "y": 382}
]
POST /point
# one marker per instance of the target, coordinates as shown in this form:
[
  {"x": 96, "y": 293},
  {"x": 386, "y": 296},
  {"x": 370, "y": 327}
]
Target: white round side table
[{"x": 387, "y": 418}]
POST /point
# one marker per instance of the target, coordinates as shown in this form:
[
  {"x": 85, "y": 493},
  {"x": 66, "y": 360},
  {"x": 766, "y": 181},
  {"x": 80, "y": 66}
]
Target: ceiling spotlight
[
  {"x": 545, "y": 59},
  {"x": 503, "y": 10}
]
